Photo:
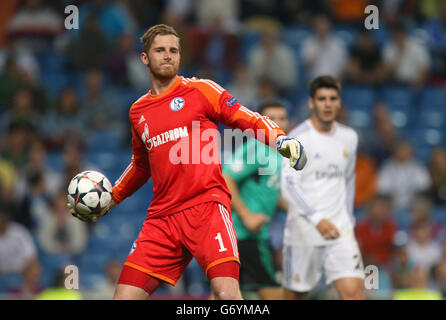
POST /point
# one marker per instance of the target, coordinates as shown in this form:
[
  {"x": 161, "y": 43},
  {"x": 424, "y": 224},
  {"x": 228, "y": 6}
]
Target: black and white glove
[{"x": 292, "y": 149}]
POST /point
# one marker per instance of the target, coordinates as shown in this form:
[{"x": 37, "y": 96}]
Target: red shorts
[{"x": 166, "y": 245}]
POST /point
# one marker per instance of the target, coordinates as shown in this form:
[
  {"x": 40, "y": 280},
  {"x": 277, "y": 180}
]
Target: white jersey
[{"x": 325, "y": 188}]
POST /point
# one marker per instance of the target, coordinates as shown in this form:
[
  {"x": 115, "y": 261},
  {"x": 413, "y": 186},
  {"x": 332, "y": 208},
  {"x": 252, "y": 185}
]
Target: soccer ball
[{"x": 89, "y": 192}]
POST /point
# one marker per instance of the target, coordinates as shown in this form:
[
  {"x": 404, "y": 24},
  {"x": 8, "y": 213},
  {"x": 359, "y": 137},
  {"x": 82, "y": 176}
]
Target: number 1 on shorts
[{"x": 220, "y": 242}]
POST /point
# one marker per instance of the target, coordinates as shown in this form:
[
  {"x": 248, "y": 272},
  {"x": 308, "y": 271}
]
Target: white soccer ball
[{"x": 89, "y": 192}]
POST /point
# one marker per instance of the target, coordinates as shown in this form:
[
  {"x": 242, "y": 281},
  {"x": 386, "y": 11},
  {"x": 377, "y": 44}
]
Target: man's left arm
[
  {"x": 234, "y": 115},
  {"x": 350, "y": 178}
]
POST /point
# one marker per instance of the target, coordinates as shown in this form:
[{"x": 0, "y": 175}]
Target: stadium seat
[
  {"x": 248, "y": 40},
  {"x": 430, "y": 116},
  {"x": 8, "y": 281},
  {"x": 359, "y": 98},
  {"x": 433, "y": 97},
  {"x": 359, "y": 102},
  {"x": 400, "y": 101},
  {"x": 104, "y": 141},
  {"x": 294, "y": 37}
]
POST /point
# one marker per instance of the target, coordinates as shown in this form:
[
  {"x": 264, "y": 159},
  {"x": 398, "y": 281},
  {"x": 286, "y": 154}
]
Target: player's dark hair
[
  {"x": 327, "y": 82},
  {"x": 159, "y": 29},
  {"x": 270, "y": 103}
]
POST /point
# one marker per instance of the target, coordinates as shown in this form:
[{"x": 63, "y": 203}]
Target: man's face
[
  {"x": 325, "y": 104},
  {"x": 278, "y": 115},
  {"x": 163, "y": 58}
]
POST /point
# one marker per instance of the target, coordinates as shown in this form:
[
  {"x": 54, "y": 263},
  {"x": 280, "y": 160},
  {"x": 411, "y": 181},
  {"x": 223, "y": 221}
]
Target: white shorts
[{"x": 303, "y": 265}]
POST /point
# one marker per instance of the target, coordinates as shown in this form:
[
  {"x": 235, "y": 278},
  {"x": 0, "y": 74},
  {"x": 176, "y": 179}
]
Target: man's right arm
[
  {"x": 293, "y": 194},
  {"x": 137, "y": 172}
]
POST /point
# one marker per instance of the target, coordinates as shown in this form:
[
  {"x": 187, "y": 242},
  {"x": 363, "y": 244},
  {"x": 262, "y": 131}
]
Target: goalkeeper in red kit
[{"x": 189, "y": 215}]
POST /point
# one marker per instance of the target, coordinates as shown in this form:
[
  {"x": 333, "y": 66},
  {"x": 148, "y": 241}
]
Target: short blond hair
[{"x": 159, "y": 29}]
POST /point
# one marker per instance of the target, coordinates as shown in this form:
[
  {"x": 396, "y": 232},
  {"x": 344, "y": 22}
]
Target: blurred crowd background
[{"x": 65, "y": 96}]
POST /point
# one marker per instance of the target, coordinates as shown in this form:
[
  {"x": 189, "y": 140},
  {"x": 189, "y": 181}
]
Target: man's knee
[
  {"x": 127, "y": 292},
  {"x": 351, "y": 289}
]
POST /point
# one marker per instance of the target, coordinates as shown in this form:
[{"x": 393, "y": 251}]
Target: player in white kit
[{"x": 319, "y": 230}]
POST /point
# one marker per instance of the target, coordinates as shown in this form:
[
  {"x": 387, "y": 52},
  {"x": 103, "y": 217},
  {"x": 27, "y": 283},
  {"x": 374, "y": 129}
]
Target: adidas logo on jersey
[{"x": 142, "y": 119}]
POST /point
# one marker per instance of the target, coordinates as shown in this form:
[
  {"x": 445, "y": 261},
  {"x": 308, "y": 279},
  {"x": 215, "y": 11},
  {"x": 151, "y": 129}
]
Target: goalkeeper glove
[
  {"x": 91, "y": 217},
  {"x": 292, "y": 149}
]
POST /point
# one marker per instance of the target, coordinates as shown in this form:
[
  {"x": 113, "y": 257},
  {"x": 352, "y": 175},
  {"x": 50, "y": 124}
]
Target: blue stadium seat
[
  {"x": 359, "y": 98},
  {"x": 8, "y": 281},
  {"x": 104, "y": 141},
  {"x": 54, "y": 82},
  {"x": 294, "y": 37},
  {"x": 430, "y": 116},
  {"x": 433, "y": 97},
  {"x": 248, "y": 41},
  {"x": 359, "y": 102},
  {"x": 439, "y": 215},
  {"x": 54, "y": 160}
]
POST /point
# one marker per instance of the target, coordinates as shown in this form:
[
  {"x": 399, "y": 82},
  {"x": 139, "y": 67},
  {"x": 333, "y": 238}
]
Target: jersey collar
[{"x": 168, "y": 91}]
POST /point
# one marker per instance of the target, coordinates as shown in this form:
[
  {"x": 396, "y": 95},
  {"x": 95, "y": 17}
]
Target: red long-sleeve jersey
[{"x": 175, "y": 142}]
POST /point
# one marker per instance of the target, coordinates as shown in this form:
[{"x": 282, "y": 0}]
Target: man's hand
[
  {"x": 292, "y": 149},
  {"x": 91, "y": 217},
  {"x": 327, "y": 229},
  {"x": 254, "y": 221}
]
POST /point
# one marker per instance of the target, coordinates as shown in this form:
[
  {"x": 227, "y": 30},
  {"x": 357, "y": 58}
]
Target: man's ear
[
  {"x": 145, "y": 58},
  {"x": 310, "y": 103}
]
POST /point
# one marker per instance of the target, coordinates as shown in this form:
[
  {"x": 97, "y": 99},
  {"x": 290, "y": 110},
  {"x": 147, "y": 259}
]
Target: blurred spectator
[
  {"x": 366, "y": 65},
  {"x": 148, "y": 13},
  {"x": 35, "y": 25},
  {"x": 90, "y": 48},
  {"x": 402, "y": 177},
  {"x": 15, "y": 144},
  {"x": 242, "y": 87},
  {"x": 440, "y": 276},
  {"x": 7, "y": 179},
  {"x": 36, "y": 183},
  {"x": 383, "y": 137},
  {"x": 73, "y": 163},
  {"x": 17, "y": 247},
  {"x": 22, "y": 111},
  {"x": 437, "y": 170},
  {"x": 436, "y": 30},
  {"x": 99, "y": 105},
  {"x": 421, "y": 212},
  {"x": 408, "y": 61},
  {"x": 65, "y": 122},
  {"x": 295, "y": 12},
  {"x": 213, "y": 47},
  {"x": 418, "y": 289},
  {"x": 366, "y": 177},
  {"x": 429, "y": 9},
  {"x": 12, "y": 78},
  {"x": 423, "y": 250},
  {"x": 31, "y": 286},
  {"x": 376, "y": 231},
  {"x": 227, "y": 12},
  {"x": 322, "y": 53},
  {"x": 113, "y": 17},
  {"x": 125, "y": 67},
  {"x": 58, "y": 232},
  {"x": 58, "y": 291},
  {"x": 402, "y": 265},
  {"x": 106, "y": 289},
  {"x": 347, "y": 11},
  {"x": 273, "y": 60},
  {"x": 24, "y": 58}
]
